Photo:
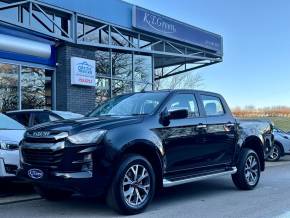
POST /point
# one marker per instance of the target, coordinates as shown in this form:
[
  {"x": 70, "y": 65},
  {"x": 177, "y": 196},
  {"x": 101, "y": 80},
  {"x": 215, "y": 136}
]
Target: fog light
[{"x": 88, "y": 163}]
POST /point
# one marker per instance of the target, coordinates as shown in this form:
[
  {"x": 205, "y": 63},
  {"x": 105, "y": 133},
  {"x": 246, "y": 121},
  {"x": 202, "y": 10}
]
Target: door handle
[
  {"x": 201, "y": 126},
  {"x": 230, "y": 125}
]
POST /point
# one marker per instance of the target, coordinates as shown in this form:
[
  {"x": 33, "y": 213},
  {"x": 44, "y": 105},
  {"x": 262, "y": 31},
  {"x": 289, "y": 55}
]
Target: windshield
[
  {"x": 131, "y": 104},
  {"x": 8, "y": 123}
]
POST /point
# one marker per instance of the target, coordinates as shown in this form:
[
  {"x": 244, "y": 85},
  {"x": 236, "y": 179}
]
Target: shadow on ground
[
  {"x": 12, "y": 188},
  {"x": 197, "y": 191}
]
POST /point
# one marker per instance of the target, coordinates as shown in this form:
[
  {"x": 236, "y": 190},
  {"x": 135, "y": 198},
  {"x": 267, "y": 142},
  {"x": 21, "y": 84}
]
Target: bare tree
[{"x": 189, "y": 80}]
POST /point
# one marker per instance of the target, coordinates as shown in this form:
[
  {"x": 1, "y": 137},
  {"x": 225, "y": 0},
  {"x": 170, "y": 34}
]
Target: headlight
[
  {"x": 88, "y": 137},
  {"x": 6, "y": 145}
]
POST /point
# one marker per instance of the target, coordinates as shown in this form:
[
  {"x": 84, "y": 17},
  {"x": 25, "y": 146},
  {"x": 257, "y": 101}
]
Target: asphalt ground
[{"x": 215, "y": 198}]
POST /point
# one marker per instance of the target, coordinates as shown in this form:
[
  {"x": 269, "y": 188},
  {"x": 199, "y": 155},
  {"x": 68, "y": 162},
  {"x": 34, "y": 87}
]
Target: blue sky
[{"x": 256, "y": 34}]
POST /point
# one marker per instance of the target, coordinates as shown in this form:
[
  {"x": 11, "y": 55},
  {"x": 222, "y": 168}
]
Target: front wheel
[
  {"x": 133, "y": 186},
  {"x": 249, "y": 170}
]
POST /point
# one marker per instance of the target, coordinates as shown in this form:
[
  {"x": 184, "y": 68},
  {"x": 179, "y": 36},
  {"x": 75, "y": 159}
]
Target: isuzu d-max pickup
[{"x": 135, "y": 144}]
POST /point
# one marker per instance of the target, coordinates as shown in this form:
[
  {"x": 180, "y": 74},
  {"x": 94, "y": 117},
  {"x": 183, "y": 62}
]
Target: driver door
[{"x": 183, "y": 138}]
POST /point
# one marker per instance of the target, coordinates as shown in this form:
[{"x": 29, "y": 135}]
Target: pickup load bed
[{"x": 135, "y": 144}]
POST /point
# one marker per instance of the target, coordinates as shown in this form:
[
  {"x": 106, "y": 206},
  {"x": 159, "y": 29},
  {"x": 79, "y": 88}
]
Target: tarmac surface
[{"x": 215, "y": 198}]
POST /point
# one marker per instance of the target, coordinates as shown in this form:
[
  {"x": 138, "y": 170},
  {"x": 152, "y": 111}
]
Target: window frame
[
  {"x": 198, "y": 113},
  {"x": 213, "y": 96}
]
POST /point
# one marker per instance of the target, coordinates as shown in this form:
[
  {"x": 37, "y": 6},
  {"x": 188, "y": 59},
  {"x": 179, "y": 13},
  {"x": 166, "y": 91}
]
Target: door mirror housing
[
  {"x": 178, "y": 114},
  {"x": 175, "y": 114}
]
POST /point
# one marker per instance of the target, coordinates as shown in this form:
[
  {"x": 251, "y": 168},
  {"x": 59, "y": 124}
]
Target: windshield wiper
[{"x": 138, "y": 114}]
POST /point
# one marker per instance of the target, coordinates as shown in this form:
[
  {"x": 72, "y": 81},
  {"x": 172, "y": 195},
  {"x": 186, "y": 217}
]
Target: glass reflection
[
  {"x": 36, "y": 88},
  {"x": 120, "y": 87},
  {"x": 143, "y": 68},
  {"x": 122, "y": 65},
  {"x": 102, "y": 90},
  {"x": 103, "y": 62},
  {"x": 8, "y": 87}
]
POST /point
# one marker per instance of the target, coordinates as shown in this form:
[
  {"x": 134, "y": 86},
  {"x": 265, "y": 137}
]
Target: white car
[
  {"x": 11, "y": 133},
  {"x": 32, "y": 117},
  {"x": 281, "y": 144}
]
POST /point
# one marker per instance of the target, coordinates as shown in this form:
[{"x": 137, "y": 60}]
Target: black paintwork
[{"x": 180, "y": 146}]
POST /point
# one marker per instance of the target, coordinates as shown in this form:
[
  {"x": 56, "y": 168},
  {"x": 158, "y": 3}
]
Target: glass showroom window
[
  {"x": 122, "y": 65},
  {"x": 120, "y": 87},
  {"x": 103, "y": 91},
  {"x": 8, "y": 87},
  {"x": 142, "y": 73},
  {"x": 36, "y": 88},
  {"x": 103, "y": 63}
]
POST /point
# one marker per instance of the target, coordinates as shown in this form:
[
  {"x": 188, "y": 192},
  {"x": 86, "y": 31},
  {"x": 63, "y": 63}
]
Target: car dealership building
[{"x": 73, "y": 55}]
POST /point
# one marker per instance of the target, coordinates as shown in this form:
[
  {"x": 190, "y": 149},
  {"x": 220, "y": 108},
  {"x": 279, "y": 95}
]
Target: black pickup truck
[{"x": 135, "y": 144}]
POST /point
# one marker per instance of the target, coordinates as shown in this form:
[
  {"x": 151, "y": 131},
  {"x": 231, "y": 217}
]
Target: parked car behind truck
[
  {"x": 13, "y": 124},
  {"x": 32, "y": 117},
  {"x": 134, "y": 144},
  {"x": 11, "y": 133},
  {"x": 281, "y": 144}
]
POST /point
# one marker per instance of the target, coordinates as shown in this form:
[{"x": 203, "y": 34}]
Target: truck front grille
[{"x": 42, "y": 157}]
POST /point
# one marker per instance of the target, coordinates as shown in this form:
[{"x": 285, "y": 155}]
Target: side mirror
[
  {"x": 166, "y": 115},
  {"x": 178, "y": 114}
]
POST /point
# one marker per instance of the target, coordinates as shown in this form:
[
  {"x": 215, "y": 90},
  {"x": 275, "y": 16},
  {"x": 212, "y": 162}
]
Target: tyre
[
  {"x": 276, "y": 154},
  {"x": 248, "y": 170},
  {"x": 52, "y": 194},
  {"x": 133, "y": 186}
]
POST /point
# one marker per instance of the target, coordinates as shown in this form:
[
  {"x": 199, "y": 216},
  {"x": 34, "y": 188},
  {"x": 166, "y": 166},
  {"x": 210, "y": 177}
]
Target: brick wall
[{"x": 78, "y": 99}]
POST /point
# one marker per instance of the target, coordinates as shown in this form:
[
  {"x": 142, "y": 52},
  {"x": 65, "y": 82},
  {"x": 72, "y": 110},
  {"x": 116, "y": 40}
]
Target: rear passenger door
[{"x": 220, "y": 130}]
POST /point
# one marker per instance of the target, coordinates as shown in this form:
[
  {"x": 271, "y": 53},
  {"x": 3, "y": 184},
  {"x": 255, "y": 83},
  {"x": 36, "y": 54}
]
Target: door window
[
  {"x": 22, "y": 118},
  {"x": 184, "y": 101},
  {"x": 8, "y": 123},
  {"x": 212, "y": 105}
]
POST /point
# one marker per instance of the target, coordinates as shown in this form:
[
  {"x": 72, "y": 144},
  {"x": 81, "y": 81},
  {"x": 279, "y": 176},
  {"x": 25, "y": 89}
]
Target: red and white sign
[{"x": 83, "y": 72}]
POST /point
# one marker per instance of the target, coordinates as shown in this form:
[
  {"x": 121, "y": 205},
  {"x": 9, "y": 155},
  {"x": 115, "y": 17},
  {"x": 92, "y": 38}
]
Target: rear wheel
[
  {"x": 52, "y": 194},
  {"x": 133, "y": 187},
  {"x": 249, "y": 170},
  {"x": 276, "y": 154}
]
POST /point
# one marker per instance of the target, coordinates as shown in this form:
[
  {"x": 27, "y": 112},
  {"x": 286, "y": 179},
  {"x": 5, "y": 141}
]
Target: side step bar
[{"x": 168, "y": 183}]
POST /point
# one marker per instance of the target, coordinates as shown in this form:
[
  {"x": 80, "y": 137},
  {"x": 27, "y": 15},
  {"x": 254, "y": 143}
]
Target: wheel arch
[
  {"x": 152, "y": 153},
  {"x": 255, "y": 143}
]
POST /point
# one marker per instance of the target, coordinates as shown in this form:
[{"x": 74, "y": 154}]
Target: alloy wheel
[
  {"x": 251, "y": 170},
  {"x": 275, "y": 153},
  {"x": 136, "y": 185}
]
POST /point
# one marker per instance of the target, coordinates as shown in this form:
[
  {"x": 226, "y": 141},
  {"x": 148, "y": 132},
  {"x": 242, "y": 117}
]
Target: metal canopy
[{"x": 71, "y": 27}]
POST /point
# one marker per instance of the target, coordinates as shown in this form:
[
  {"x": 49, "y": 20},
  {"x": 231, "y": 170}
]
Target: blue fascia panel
[{"x": 113, "y": 11}]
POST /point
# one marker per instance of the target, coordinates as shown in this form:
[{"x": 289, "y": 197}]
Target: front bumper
[
  {"x": 78, "y": 182},
  {"x": 9, "y": 162},
  {"x": 64, "y": 167}
]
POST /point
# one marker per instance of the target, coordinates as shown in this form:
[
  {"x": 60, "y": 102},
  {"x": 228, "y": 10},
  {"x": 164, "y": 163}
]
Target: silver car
[{"x": 281, "y": 144}]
